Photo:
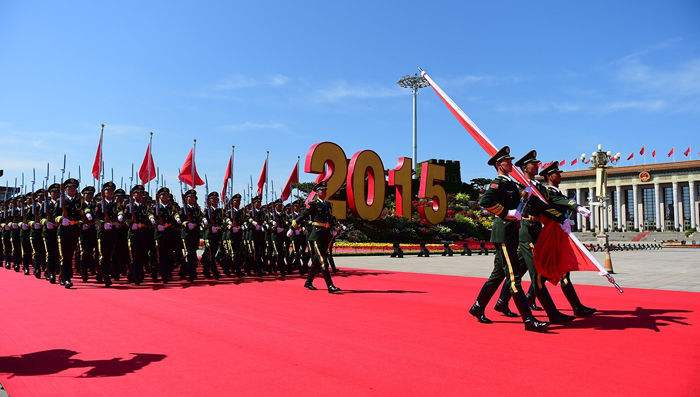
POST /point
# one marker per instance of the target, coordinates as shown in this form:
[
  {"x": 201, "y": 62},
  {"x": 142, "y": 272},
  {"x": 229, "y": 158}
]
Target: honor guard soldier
[
  {"x": 121, "y": 260},
  {"x": 25, "y": 231},
  {"x": 234, "y": 236},
  {"x": 4, "y": 234},
  {"x": 106, "y": 215},
  {"x": 191, "y": 219},
  {"x": 256, "y": 223},
  {"x": 299, "y": 241},
  {"x": 561, "y": 208},
  {"x": 37, "y": 233},
  {"x": 138, "y": 221},
  {"x": 88, "y": 234},
  {"x": 51, "y": 212},
  {"x": 165, "y": 218},
  {"x": 70, "y": 214},
  {"x": 319, "y": 212},
  {"x": 279, "y": 226},
  {"x": 16, "y": 220},
  {"x": 213, "y": 224},
  {"x": 502, "y": 198},
  {"x": 530, "y": 228}
]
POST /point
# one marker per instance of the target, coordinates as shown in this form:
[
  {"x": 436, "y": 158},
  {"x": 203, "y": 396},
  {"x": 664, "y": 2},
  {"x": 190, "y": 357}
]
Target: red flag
[
  {"x": 653, "y": 153},
  {"x": 227, "y": 176},
  {"x": 670, "y": 152},
  {"x": 187, "y": 170},
  {"x": 263, "y": 177},
  {"x": 574, "y": 161},
  {"x": 687, "y": 152},
  {"x": 147, "y": 172},
  {"x": 641, "y": 151},
  {"x": 562, "y": 163},
  {"x": 293, "y": 178},
  {"x": 97, "y": 164},
  {"x": 630, "y": 156}
]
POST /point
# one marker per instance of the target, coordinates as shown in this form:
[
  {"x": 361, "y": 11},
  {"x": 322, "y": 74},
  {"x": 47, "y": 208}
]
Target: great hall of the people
[{"x": 661, "y": 196}]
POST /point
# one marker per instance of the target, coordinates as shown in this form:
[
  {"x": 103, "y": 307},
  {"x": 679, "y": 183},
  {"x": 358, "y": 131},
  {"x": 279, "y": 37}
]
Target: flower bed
[{"x": 348, "y": 248}]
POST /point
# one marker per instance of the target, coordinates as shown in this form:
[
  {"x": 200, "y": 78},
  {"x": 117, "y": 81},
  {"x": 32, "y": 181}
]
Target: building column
[
  {"x": 618, "y": 205},
  {"x": 676, "y": 204},
  {"x": 635, "y": 200},
  {"x": 691, "y": 190},
  {"x": 579, "y": 218},
  {"x": 657, "y": 205},
  {"x": 594, "y": 209}
]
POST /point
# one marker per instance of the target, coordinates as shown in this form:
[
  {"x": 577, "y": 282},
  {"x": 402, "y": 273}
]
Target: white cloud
[
  {"x": 344, "y": 90},
  {"x": 239, "y": 81}
]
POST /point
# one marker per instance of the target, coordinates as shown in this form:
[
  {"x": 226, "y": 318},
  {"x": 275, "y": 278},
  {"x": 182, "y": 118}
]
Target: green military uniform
[
  {"x": 51, "y": 210},
  {"x": 70, "y": 214},
  {"x": 37, "y": 235},
  {"x": 88, "y": 234},
  {"x": 233, "y": 237},
  {"x": 319, "y": 212},
  {"x": 106, "y": 215},
  {"x": 213, "y": 224},
  {"x": 191, "y": 217},
  {"x": 165, "y": 218},
  {"x": 501, "y": 197},
  {"x": 140, "y": 234},
  {"x": 26, "y": 231}
]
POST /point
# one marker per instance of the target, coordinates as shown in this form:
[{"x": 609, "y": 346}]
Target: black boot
[
  {"x": 555, "y": 316},
  {"x": 309, "y": 286},
  {"x": 532, "y": 324},
  {"x": 333, "y": 289},
  {"x": 478, "y": 312},
  {"x": 579, "y": 309},
  {"x": 502, "y": 307},
  {"x": 532, "y": 303}
]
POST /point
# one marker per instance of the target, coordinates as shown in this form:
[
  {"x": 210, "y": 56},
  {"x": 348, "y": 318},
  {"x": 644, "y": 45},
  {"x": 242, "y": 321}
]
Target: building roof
[{"x": 636, "y": 169}]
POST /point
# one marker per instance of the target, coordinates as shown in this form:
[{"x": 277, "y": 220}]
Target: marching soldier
[
  {"x": 530, "y": 227},
  {"x": 319, "y": 212},
  {"x": 501, "y": 199},
  {"x": 279, "y": 228},
  {"x": 70, "y": 214},
  {"x": 191, "y": 219},
  {"x": 121, "y": 260},
  {"x": 25, "y": 231},
  {"x": 16, "y": 220},
  {"x": 561, "y": 208},
  {"x": 37, "y": 236},
  {"x": 165, "y": 218},
  {"x": 234, "y": 235},
  {"x": 299, "y": 242},
  {"x": 3, "y": 230},
  {"x": 50, "y": 213},
  {"x": 138, "y": 221},
  {"x": 213, "y": 224},
  {"x": 256, "y": 222},
  {"x": 88, "y": 234},
  {"x": 107, "y": 215}
]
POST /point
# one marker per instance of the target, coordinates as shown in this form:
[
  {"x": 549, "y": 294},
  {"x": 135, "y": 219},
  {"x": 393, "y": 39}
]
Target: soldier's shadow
[
  {"x": 387, "y": 291},
  {"x": 641, "y": 318},
  {"x": 53, "y": 361}
]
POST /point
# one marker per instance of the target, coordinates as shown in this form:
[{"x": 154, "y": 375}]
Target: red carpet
[{"x": 395, "y": 334}]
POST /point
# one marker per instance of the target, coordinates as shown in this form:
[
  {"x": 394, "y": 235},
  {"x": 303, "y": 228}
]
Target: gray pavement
[{"x": 669, "y": 269}]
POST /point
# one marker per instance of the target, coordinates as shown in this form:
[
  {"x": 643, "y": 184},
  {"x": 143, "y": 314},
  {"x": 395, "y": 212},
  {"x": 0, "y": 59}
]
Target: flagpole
[
  {"x": 194, "y": 149},
  {"x": 233, "y": 152},
  {"x": 298, "y": 158},
  {"x": 267, "y": 166},
  {"x": 150, "y": 155}
]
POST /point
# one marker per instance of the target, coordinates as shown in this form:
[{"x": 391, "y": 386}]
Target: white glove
[
  {"x": 254, "y": 223},
  {"x": 205, "y": 221},
  {"x": 108, "y": 226},
  {"x": 65, "y": 221},
  {"x": 583, "y": 211},
  {"x": 88, "y": 216},
  {"x": 191, "y": 225},
  {"x": 134, "y": 227},
  {"x": 24, "y": 226},
  {"x": 566, "y": 226},
  {"x": 290, "y": 232},
  {"x": 161, "y": 228},
  {"x": 120, "y": 218},
  {"x": 215, "y": 229},
  {"x": 13, "y": 225},
  {"x": 86, "y": 226},
  {"x": 334, "y": 233},
  {"x": 37, "y": 225},
  {"x": 49, "y": 225},
  {"x": 514, "y": 214}
]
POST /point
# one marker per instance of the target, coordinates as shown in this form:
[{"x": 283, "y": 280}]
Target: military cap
[
  {"x": 71, "y": 181},
  {"x": 320, "y": 186},
  {"x": 163, "y": 190},
  {"x": 530, "y": 157},
  {"x": 88, "y": 189},
  {"x": 40, "y": 191},
  {"x": 190, "y": 192},
  {"x": 54, "y": 186},
  {"x": 501, "y": 154},
  {"x": 278, "y": 201},
  {"x": 28, "y": 196},
  {"x": 120, "y": 192},
  {"x": 213, "y": 194},
  {"x": 108, "y": 185},
  {"x": 550, "y": 169},
  {"x": 236, "y": 196},
  {"x": 256, "y": 198},
  {"x": 137, "y": 188}
]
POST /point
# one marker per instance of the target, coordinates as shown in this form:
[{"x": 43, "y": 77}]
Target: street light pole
[
  {"x": 599, "y": 162},
  {"x": 414, "y": 82}
]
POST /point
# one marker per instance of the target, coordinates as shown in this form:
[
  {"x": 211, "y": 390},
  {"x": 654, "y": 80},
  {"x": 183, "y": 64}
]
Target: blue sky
[{"x": 560, "y": 77}]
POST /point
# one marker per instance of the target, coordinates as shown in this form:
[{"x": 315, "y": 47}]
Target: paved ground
[{"x": 669, "y": 269}]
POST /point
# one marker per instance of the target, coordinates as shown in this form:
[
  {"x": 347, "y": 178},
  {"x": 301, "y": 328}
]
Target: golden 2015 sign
[{"x": 363, "y": 175}]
